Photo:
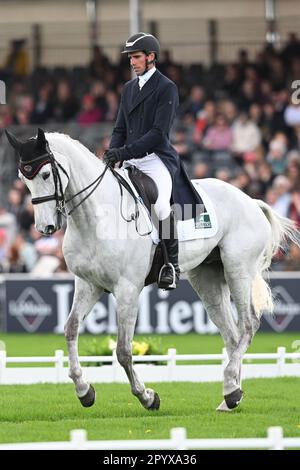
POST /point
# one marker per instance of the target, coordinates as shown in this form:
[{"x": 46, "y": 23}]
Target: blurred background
[{"x": 237, "y": 67}]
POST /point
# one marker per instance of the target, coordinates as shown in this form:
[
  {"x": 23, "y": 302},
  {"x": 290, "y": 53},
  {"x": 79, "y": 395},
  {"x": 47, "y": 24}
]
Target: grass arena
[{"x": 48, "y": 412}]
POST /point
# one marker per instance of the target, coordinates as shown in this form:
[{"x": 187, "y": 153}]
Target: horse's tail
[{"x": 283, "y": 229}]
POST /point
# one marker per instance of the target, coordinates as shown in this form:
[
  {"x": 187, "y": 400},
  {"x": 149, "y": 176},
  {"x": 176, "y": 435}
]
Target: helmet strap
[{"x": 147, "y": 63}]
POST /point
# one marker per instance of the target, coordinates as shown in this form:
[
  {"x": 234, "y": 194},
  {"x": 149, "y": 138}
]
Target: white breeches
[{"x": 154, "y": 167}]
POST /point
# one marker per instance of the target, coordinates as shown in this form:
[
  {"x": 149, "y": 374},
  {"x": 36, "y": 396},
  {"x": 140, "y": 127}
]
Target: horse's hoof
[
  {"x": 88, "y": 399},
  {"x": 223, "y": 407},
  {"x": 156, "y": 402},
  {"x": 233, "y": 399}
]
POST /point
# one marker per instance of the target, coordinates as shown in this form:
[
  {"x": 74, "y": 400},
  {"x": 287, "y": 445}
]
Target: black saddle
[{"x": 144, "y": 185}]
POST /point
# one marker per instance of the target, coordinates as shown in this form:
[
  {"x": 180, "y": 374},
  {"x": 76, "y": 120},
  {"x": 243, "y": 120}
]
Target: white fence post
[
  {"x": 171, "y": 364},
  {"x": 178, "y": 438},
  {"x": 2, "y": 366},
  {"x": 281, "y": 360},
  {"x": 59, "y": 364},
  {"x": 114, "y": 365},
  {"x": 78, "y": 438},
  {"x": 275, "y": 435}
]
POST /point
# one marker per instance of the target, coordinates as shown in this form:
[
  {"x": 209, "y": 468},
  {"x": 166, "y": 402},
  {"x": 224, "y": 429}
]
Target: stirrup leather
[{"x": 171, "y": 285}]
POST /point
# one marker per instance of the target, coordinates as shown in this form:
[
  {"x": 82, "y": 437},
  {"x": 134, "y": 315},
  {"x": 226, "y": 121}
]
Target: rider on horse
[{"x": 141, "y": 137}]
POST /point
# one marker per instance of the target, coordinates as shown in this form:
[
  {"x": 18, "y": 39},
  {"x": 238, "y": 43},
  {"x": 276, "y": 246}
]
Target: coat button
[{"x": 130, "y": 131}]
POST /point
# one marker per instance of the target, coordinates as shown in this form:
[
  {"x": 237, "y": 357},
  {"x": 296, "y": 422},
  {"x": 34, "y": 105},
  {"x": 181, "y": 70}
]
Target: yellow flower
[{"x": 140, "y": 349}]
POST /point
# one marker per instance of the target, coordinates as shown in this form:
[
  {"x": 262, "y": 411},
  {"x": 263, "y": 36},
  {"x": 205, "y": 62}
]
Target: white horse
[{"x": 56, "y": 168}]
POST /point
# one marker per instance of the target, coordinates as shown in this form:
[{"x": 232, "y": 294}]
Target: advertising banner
[{"x": 42, "y": 305}]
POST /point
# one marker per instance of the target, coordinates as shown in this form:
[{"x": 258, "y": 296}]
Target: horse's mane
[{"x": 61, "y": 142}]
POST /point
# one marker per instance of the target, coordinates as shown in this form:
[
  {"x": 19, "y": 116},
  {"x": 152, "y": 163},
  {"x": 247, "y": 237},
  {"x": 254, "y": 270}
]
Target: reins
[{"x": 58, "y": 195}]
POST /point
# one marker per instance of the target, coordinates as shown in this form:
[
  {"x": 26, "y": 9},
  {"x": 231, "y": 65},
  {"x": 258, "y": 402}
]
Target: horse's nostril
[{"x": 49, "y": 229}]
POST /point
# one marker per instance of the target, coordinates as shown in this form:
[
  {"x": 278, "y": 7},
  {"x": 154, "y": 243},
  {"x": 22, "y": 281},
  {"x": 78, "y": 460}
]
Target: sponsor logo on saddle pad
[{"x": 203, "y": 221}]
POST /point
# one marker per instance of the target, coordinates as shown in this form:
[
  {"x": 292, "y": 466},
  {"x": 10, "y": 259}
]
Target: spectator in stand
[
  {"x": 219, "y": 135},
  {"x": 98, "y": 92},
  {"x": 26, "y": 216},
  {"x": 248, "y": 95},
  {"x": 276, "y": 156},
  {"x": 265, "y": 177},
  {"x": 112, "y": 106},
  {"x": 282, "y": 187},
  {"x": 205, "y": 118},
  {"x": 294, "y": 209},
  {"x": 232, "y": 80},
  {"x": 89, "y": 113},
  {"x": 66, "y": 106},
  {"x": 229, "y": 110},
  {"x": 201, "y": 170},
  {"x": 14, "y": 199},
  {"x": 9, "y": 224},
  {"x": 293, "y": 174},
  {"x": 24, "y": 107},
  {"x": 5, "y": 116},
  {"x": 165, "y": 60},
  {"x": 292, "y": 260},
  {"x": 195, "y": 101},
  {"x": 246, "y": 138},
  {"x": 277, "y": 72},
  {"x": 291, "y": 49},
  {"x": 15, "y": 262},
  {"x": 224, "y": 174},
  {"x": 242, "y": 181},
  {"x": 16, "y": 63},
  {"x": 184, "y": 148},
  {"x": 43, "y": 109}
]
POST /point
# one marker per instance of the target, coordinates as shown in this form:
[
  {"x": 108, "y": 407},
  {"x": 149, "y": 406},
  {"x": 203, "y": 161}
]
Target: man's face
[{"x": 138, "y": 61}]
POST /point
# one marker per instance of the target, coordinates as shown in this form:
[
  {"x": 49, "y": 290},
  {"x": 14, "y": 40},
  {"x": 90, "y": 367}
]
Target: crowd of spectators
[{"x": 239, "y": 122}]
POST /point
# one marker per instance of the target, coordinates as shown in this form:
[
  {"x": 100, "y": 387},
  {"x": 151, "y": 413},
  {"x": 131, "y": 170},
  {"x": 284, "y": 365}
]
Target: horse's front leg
[
  {"x": 85, "y": 297},
  {"x": 127, "y": 306}
]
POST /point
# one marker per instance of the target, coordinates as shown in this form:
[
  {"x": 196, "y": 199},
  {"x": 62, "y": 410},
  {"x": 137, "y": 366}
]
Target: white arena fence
[
  {"x": 172, "y": 371},
  {"x": 178, "y": 441}
]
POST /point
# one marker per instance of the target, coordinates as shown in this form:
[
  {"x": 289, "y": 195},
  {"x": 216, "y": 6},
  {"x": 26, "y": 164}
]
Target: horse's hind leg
[
  {"x": 240, "y": 278},
  {"x": 85, "y": 297},
  {"x": 127, "y": 306},
  {"x": 210, "y": 284}
]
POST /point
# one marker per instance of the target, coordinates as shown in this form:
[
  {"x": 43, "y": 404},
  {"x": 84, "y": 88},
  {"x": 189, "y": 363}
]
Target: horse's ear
[
  {"x": 41, "y": 139},
  {"x": 13, "y": 141}
]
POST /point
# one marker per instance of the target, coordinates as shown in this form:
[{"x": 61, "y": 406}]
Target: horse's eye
[{"x": 46, "y": 175}]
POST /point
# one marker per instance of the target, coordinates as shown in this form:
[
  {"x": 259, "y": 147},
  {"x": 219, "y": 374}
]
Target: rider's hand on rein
[{"x": 112, "y": 156}]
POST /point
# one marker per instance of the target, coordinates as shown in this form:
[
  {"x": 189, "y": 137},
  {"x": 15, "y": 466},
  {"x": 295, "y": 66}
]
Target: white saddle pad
[{"x": 205, "y": 226}]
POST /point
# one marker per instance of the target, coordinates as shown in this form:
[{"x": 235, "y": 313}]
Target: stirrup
[{"x": 171, "y": 285}]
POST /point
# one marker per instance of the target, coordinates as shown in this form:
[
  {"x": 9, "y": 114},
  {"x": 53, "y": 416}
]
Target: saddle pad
[{"x": 205, "y": 226}]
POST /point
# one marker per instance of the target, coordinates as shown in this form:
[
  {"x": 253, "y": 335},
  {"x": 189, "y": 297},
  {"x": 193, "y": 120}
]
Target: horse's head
[{"x": 45, "y": 178}]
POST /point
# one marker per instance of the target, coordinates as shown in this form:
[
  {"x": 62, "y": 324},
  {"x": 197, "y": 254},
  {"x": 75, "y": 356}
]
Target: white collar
[{"x": 144, "y": 78}]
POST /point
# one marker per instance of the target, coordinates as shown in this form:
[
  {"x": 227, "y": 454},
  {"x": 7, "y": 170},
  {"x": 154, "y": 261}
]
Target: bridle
[{"x": 30, "y": 169}]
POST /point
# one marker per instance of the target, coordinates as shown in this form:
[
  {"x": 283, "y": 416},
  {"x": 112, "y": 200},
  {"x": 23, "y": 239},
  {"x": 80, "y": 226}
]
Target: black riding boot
[{"x": 169, "y": 274}]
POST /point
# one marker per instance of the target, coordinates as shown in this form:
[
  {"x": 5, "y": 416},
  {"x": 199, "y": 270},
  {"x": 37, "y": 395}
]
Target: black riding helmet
[{"x": 142, "y": 42}]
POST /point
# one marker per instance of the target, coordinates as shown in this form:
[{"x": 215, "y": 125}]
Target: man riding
[{"x": 141, "y": 137}]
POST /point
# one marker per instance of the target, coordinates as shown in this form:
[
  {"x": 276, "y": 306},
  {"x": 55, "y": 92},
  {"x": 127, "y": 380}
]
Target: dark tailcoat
[{"x": 143, "y": 125}]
